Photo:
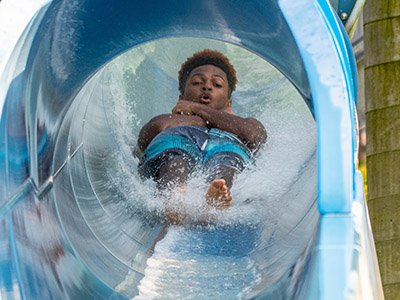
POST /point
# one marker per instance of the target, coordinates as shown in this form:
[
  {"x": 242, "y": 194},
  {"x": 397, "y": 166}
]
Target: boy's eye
[{"x": 217, "y": 85}]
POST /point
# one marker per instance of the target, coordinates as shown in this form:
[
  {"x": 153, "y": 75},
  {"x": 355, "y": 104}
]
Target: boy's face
[{"x": 208, "y": 85}]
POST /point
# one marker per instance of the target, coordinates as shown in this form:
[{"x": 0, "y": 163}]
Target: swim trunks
[{"x": 202, "y": 149}]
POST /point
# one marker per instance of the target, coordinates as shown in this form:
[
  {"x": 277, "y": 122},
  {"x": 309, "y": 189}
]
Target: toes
[
  {"x": 219, "y": 195},
  {"x": 218, "y": 183}
]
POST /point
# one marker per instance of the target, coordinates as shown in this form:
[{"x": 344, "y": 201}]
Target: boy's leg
[
  {"x": 172, "y": 176},
  {"x": 175, "y": 172},
  {"x": 222, "y": 172},
  {"x": 221, "y": 168},
  {"x": 220, "y": 178}
]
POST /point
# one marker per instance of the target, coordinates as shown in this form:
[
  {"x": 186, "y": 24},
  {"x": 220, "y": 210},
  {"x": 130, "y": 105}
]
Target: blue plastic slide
[{"x": 77, "y": 222}]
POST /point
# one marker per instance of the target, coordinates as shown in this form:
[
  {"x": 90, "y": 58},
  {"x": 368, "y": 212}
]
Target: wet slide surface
[{"x": 244, "y": 247}]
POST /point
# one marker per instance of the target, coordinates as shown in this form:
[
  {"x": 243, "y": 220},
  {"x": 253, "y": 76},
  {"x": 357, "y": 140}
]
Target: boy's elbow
[
  {"x": 263, "y": 136},
  {"x": 257, "y": 139},
  {"x": 149, "y": 131}
]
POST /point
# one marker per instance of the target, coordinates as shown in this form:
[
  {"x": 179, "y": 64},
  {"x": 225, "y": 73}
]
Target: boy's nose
[{"x": 207, "y": 86}]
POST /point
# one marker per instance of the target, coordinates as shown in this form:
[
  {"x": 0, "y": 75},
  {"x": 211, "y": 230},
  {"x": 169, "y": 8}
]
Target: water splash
[{"x": 262, "y": 194}]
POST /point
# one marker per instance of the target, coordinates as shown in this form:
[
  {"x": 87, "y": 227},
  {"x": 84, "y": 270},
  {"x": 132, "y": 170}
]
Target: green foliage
[{"x": 363, "y": 169}]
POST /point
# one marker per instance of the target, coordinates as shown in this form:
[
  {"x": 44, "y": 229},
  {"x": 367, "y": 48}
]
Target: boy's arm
[{"x": 249, "y": 130}]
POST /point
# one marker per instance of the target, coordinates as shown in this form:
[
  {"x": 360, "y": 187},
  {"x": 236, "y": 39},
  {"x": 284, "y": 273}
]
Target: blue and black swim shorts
[{"x": 202, "y": 149}]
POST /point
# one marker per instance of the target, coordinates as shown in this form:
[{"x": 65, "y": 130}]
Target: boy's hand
[{"x": 184, "y": 107}]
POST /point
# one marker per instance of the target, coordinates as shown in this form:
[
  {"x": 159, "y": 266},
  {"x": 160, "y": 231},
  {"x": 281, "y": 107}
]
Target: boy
[{"x": 201, "y": 133}]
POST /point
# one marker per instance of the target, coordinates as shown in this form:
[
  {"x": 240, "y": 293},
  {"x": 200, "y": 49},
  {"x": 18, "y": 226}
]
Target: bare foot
[{"x": 218, "y": 195}]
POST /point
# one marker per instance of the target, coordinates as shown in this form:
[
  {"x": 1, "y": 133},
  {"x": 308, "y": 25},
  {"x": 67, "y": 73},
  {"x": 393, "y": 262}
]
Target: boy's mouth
[{"x": 205, "y": 98}]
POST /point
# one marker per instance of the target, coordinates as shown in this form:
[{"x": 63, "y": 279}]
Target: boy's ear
[
  {"x": 181, "y": 97},
  {"x": 228, "y": 108}
]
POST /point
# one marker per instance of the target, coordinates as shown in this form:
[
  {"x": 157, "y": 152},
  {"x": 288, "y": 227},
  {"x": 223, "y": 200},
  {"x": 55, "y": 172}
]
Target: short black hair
[{"x": 207, "y": 57}]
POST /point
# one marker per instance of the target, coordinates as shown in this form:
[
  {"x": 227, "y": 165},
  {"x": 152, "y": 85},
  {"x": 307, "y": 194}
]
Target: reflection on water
[{"x": 201, "y": 261}]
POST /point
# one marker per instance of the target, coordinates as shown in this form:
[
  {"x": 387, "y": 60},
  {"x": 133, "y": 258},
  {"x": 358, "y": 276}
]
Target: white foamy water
[{"x": 197, "y": 271}]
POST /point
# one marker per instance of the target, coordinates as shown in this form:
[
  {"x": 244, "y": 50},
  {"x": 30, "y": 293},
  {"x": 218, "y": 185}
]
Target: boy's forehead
[{"x": 214, "y": 70}]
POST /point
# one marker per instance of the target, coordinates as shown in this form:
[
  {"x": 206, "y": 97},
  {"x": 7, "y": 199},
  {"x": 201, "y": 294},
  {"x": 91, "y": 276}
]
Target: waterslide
[{"x": 76, "y": 221}]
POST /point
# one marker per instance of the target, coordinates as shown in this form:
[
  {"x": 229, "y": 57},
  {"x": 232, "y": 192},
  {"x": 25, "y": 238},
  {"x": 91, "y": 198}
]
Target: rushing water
[{"x": 202, "y": 262}]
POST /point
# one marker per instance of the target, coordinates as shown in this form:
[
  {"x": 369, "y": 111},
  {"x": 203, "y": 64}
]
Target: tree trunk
[{"x": 382, "y": 96}]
